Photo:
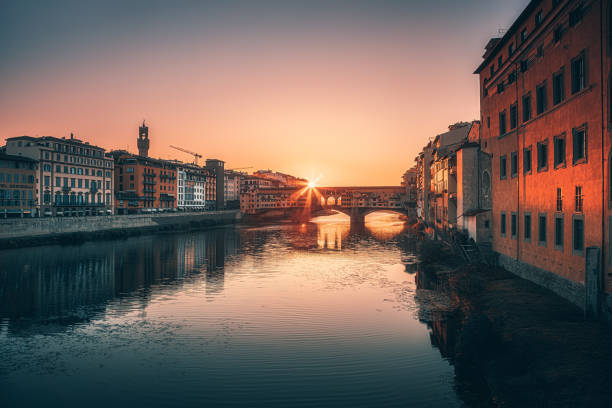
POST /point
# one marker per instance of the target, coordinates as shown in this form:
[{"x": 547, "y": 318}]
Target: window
[
  {"x": 510, "y": 50},
  {"x": 543, "y": 155},
  {"x": 559, "y": 231},
  {"x": 559, "y": 200},
  {"x": 513, "y": 115},
  {"x": 579, "y": 144},
  {"x": 513, "y": 164},
  {"x": 499, "y": 62},
  {"x": 559, "y": 157},
  {"x": 492, "y": 69},
  {"x": 502, "y": 123},
  {"x": 542, "y": 229},
  {"x": 558, "y": 88},
  {"x": 526, "y": 108},
  {"x": 485, "y": 90},
  {"x": 527, "y": 226},
  {"x": 578, "y": 233},
  {"x": 513, "y": 226},
  {"x": 488, "y": 122},
  {"x": 523, "y": 35},
  {"x": 541, "y": 98},
  {"x": 511, "y": 77},
  {"x": 524, "y": 65},
  {"x": 502, "y": 167},
  {"x": 538, "y": 18},
  {"x": 575, "y": 16},
  {"x": 578, "y": 74},
  {"x": 502, "y": 227},
  {"x": 557, "y": 34},
  {"x": 47, "y": 181},
  {"x": 527, "y": 160},
  {"x": 579, "y": 199},
  {"x": 540, "y": 51},
  {"x": 500, "y": 87}
]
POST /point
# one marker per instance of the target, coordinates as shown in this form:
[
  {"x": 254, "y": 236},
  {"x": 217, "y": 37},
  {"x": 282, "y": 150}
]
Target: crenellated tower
[{"x": 143, "y": 140}]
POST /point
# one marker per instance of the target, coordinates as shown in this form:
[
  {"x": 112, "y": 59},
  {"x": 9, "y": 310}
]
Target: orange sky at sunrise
[{"x": 349, "y": 97}]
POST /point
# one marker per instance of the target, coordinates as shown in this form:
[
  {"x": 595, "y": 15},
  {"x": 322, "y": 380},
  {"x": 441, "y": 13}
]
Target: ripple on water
[{"x": 237, "y": 317}]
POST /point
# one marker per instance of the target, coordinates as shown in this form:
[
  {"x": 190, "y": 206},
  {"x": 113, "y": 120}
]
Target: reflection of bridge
[{"x": 357, "y": 202}]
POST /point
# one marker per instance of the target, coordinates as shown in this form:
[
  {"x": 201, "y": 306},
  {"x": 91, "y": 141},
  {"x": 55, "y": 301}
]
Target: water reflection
[{"x": 316, "y": 314}]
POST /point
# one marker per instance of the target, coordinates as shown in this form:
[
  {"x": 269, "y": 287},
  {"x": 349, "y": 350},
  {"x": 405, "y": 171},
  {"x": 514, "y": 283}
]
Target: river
[{"x": 312, "y": 315}]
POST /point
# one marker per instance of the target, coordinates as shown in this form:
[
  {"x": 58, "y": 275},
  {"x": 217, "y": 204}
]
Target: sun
[{"x": 311, "y": 184}]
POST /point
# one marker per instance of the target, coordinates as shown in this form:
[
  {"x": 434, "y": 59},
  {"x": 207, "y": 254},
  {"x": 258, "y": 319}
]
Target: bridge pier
[{"x": 357, "y": 216}]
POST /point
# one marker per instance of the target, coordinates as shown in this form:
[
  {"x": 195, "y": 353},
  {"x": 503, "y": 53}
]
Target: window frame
[
  {"x": 558, "y": 87},
  {"x": 583, "y": 84},
  {"x": 541, "y": 98},
  {"x": 542, "y": 242},
  {"x": 513, "y": 225},
  {"x": 528, "y": 169},
  {"x": 514, "y": 163},
  {"x": 527, "y": 111},
  {"x": 578, "y": 251},
  {"x": 542, "y": 143},
  {"x": 503, "y": 159},
  {"x": 563, "y": 163},
  {"x": 559, "y": 246},
  {"x": 583, "y": 129},
  {"x": 527, "y": 226},
  {"x": 503, "y": 221}
]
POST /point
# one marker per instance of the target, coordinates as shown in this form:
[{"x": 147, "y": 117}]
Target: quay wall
[{"x": 14, "y": 231}]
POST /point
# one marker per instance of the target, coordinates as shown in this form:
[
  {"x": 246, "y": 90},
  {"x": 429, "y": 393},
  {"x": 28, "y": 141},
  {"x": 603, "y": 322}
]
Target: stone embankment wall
[{"x": 19, "y": 229}]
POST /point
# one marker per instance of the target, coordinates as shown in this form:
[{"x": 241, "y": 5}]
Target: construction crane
[
  {"x": 241, "y": 168},
  {"x": 195, "y": 155}
]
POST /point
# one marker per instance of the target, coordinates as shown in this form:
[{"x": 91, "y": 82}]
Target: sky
[{"x": 344, "y": 91}]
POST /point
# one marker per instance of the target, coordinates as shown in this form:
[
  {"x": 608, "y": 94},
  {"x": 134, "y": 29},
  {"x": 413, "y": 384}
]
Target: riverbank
[
  {"x": 23, "y": 232},
  {"x": 515, "y": 342}
]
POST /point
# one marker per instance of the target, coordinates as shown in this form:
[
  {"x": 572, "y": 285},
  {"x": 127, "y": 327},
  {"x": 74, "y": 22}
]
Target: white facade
[{"x": 191, "y": 187}]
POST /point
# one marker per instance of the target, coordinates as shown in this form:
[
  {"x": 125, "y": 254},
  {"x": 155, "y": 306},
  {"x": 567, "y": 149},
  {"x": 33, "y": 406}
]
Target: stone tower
[{"x": 143, "y": 140}]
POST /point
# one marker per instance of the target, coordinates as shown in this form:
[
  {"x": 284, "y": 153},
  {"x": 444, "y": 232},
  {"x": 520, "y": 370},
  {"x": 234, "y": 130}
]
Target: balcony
[
  {"x": 148, "y": 190},
  {"x": 149, "y": 182}
]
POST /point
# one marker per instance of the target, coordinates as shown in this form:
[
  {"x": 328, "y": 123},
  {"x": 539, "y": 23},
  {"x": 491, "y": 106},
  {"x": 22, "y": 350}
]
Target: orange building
[
  {"x": 143, "y": 184},
  {"x": 545, "y": 117}
]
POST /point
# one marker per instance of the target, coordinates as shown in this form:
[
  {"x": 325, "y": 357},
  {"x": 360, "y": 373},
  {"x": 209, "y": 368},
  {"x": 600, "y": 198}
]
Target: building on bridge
[{"x": 255, "y": 201}]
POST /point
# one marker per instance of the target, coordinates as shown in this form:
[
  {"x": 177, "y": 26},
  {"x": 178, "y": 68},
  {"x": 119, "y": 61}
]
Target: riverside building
[
  {"x": 17, "y": 186},
  {"x": 545, "y": 114},
  {"x": 144, "y": 184},
  {"x": 73, "y": 177}
]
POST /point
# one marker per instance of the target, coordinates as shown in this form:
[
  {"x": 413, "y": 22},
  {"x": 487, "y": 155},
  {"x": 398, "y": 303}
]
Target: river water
[{"x": 313, "y": 315}]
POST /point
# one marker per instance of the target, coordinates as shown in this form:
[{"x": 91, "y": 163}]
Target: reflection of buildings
[
  {"x": 331, "y": 235},
  {"x": 70, "y": 284}
]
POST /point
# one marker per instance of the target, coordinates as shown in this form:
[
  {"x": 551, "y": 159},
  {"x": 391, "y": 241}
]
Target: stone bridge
[{"x": 357, "y": 202}]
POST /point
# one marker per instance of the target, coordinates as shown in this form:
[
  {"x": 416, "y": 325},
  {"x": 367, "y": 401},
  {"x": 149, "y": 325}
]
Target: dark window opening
[
  {"x": 527, "y": 160},
  {"x": 558, "y": 88},
  {"x": 579, "y": 144},
  {"x": 527, "y": 227},
  {"x": 559, "y": 158},
  {"x": 542, "y": 156},
  {"x": 526, "y": 108}
]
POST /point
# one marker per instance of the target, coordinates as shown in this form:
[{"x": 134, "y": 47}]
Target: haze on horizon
[{"x": 346, "y": 90}]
